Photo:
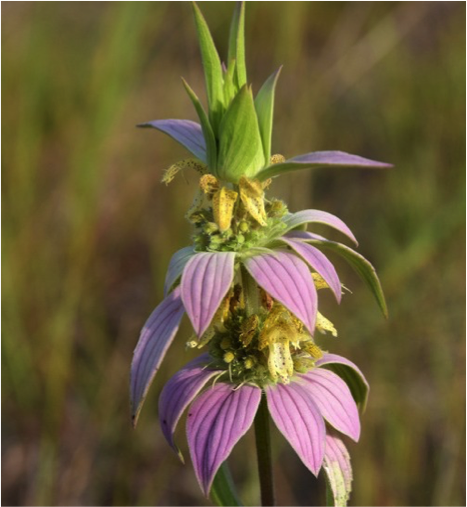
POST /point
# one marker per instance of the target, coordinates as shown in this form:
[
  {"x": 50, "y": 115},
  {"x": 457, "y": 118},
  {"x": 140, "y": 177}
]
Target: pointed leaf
[
  {"x": 298, "y": 418},
  {"x": 208, "y": 133},
  {"x": 317, "y": 216},
  {"x": 212, "y": 69},
  {"x": 240, "y": 146},
  {"x": 319, "y": 262},
  {"x": 230, "y": 87},
  {"x": 179, "y": 392},
  {"x": 318, "y": 160},
  {"x": 351, "y": 374},
  {"x": 334, "y": 400},
  {"x": 264, "y": 104},
  {"x": 361, "y": 266},
  {"x": 338, "y": 469},
  {"x": 205, "y": 282},
  {"x": 287, "y": 278},
  {"x": 237, "y": 44},
  {"x": 176, "y": 266},
  {"x": 154, "y": 340},
  {"x": 216, "y": 422},
  {"x": 223, "y": 490},
  {"x": 187, "y": 133}
]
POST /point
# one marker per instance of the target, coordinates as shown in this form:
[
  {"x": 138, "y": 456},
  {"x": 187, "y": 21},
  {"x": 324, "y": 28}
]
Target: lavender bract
[
  {"x": 249, "y": 284},
  {"x": 302, "y": 410}
]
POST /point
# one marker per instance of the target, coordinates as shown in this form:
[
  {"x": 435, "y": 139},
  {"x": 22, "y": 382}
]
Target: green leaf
[
  {"x": 264, "y": 104},
  {"x": 230, "y": 88},
  {"x": 354, "y": 380},
  {"x": 223, "y": 489},
  {"x": 361, "y": 266},
  {"x": 208, "y": 133},
  {"x": 237, "y": 44},
  {"x": 240, "y": 147},
  {"x": 212, "y": 69}
]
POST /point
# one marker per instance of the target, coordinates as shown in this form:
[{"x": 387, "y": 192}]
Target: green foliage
[
  {"x": 240, "y": 148},
  {"x": 362, "y": 267},
  {"x": 264, "y": 104},
  {"x": 230, "y": 88},
  {"x": 211, "y": 145},
  {"x": 212, "y": 69},
  {"x": 357, "y": 387},
  {"x": 237, "y": 45},
  {"x": 223, "y": 489}
]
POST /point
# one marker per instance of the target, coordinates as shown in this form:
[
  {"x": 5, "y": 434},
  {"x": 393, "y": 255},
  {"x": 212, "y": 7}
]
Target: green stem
[
  {"x": 263, "y": 450},
  {"x": 252, "y": 299},
  {"x": 251, "y": 293}
]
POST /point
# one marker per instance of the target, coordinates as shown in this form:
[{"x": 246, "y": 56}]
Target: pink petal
[
  {"x": 338, "y": 469},
  {"x": 180, "y": 391},
  {"x": 320, "y": 159},
  {"x": 216, "y": 422},
  {"x": 155, "y": 338},
  {"x": 351, "y": 374},
  {"x": 319, "y": 262},
  {"x": 177, "y": 265},
  {"x": 334, "y": 400},
  {"x": 205, "y": 282},
  {"x": 287, "y": 278},
  {"x": 313, "y": 215},
  {"x": 338, "y": 158},
  {"x": 298, "y": 418},
  {"x": 186, "y": 132}
]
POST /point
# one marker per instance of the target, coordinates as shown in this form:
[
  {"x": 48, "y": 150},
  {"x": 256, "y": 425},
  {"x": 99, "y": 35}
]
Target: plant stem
[
  {"x": 250, "y": 293},
  {"x": 263, "y": 450},
  {"x": 252, "y": 300}
]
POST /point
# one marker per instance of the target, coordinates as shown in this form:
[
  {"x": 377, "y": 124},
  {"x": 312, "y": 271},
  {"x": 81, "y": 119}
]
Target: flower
[
  {"x": 249, "y": 284},
  {"x": 202, "y": 285},
  {"x": 275, "y": 262},
  {"x": 307, "y": 411}
]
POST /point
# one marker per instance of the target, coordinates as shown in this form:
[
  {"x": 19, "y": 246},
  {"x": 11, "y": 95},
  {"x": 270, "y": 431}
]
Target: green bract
[
  {"x": 234, "y": 135},
  {"x": 240, "y": 147},
  {"x": 237, "y": 144}
]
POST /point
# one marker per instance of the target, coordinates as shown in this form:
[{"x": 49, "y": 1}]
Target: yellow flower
[
  {"x": 223, "y": 202},
  {"x": 252, "y": 196}
]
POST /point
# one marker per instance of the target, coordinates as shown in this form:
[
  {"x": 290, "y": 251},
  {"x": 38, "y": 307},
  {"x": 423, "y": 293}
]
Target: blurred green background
[{"x": 88, "y": 231}]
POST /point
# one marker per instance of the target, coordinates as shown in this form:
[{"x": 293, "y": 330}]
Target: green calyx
[
  {"x": 237, "y": 127},
  {"x": 244, "y": 233},
  {"x": 234, "y": 218}
]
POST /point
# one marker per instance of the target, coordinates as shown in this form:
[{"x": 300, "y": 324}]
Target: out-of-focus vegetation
[{"x": 88, "y": 230}]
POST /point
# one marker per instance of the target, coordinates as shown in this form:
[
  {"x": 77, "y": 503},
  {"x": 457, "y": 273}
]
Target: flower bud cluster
[{"x": 227, "y": 220}]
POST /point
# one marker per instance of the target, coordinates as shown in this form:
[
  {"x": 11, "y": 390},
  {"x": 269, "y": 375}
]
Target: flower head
[
  {"x": 259, "y": 295},
  {"x": 309, "y": 411},
  {"x": 249, "y": 284}
]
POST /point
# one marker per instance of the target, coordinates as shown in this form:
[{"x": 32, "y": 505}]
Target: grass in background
[{"x": 88, "y": 232}]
